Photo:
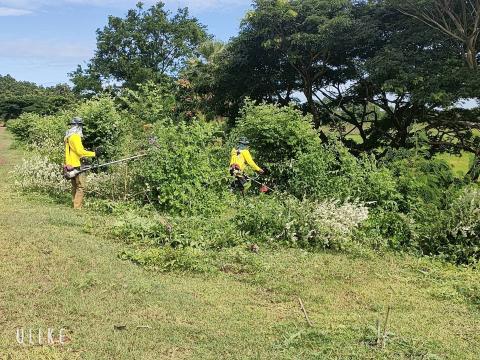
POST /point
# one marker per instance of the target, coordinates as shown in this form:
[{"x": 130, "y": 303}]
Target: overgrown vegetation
[
  {"x": 384, "y": 190},
  {"x": 358, "y": 169},
  {"x": 325, "y": 198}
]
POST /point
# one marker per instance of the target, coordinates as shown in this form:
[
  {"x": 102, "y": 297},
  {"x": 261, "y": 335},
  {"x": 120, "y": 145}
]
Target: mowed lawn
[{"x": 55, "y": 274}]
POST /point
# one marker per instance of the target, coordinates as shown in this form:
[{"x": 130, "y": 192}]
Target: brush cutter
[
  {"x": 245, "y": 183},
  {"x": 70, "y": 174},
  {"x": 263, "y": 188}
]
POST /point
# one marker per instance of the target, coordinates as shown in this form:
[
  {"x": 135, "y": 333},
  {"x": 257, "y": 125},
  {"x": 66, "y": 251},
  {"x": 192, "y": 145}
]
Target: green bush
[
  {"x": 305, "y": 224},
  {"x": 37, "y": 129},
  {"x": 21, "y": 127},
  {"x": 43, "y": 134},
  {"x": 422, "y": 181},
  {"x": 393, "y": 227},
  {"x": 454, "y": 233},
  {"x": 278, "y": 136},
  {"x": 185, "y": 173},
  {"x": 104, "y": 125},
  {"x": 284, "y": 140},
  {"x": 332, "y": 172},
  {"x": 264, "y": 217}
]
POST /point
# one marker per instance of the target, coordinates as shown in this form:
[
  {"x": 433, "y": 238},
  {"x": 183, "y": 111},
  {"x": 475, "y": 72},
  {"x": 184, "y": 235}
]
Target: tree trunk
[
  {"x": 471, "y": 54},
  {"x": 312, "y": 107}
]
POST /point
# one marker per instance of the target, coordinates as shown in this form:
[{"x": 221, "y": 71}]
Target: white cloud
[
  {"x": 208, "y": 4},
  {"x": 28, "y": 48},
  {"x": 7, "y": 11},
  {"x": 27, "y": 6}
]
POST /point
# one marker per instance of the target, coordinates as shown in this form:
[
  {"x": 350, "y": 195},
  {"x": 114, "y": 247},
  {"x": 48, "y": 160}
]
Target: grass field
[
  {"x": 460, "y": 164},
  {"x": 55, "y": 273}
]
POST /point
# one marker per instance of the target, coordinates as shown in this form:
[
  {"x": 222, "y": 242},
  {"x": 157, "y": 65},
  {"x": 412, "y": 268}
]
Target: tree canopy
[
  {"x": 359, "y": 66},
  {"x": 17, "y": 97},
  {"x": 148, "y": 44}
]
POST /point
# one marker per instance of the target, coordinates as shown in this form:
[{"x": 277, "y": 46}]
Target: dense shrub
[
  {"x": 285, "y": 141},
  {"x": 186, "y": 169},
  {"x": 394, "y": 228},
  {"x": 43, "y": 134},
  {"x": 422, "y": 181},
  {"x": 278, "y": 136},
  {"x": 454, "y": 233},
  {"x": 450, "y": 232},
  {"x": 36, "y": 129},
  {"x": 21, "y": 127},
  {"x": 39, "y": 174},
  {"x": 310, "y": 225},
  {"x": 331, "y": 171},
  {"x": 103, "y": 126}
]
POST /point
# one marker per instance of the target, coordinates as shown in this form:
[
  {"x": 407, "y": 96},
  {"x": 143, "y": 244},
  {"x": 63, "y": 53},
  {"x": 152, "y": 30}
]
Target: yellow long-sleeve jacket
[
  {"x": 242, "y": 158},
  {"x": 74, "y": 150}
]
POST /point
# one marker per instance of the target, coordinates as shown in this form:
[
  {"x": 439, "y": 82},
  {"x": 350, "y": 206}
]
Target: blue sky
[{"x": 43, "y": 40}]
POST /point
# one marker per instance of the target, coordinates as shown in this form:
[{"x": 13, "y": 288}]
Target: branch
[{"x": 431, "y": 22}]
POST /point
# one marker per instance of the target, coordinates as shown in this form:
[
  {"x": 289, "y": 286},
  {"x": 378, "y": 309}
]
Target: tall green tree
[
  {"x": 457, "y": 19},
  {"x": 308, "y": 39},
  {"x": 249, "y": 69},
  {"x": 147, "y": 45},
  {"x": 407, "y": 73}
]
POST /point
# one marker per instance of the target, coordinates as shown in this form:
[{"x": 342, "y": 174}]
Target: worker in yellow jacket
[
  {"x": 74, "y": 152},
  {"x": 240, "y": 158}
]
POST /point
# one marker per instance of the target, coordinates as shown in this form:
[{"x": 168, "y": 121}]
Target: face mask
[{"x": 75, "y": 129}]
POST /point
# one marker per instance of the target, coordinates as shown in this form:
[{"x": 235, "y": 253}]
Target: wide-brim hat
[
  {"x": 243, "y": 141},
  {"x": 76, "y": 121}
]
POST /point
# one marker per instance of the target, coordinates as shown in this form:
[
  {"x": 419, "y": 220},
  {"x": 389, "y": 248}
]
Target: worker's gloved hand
[
  {"x": 261, "y": 171},
  {"x": 99, "y": 151},
  {"x": 266, "y": 171},
  {"x": 234, "y": 169},
  {"x": 84, "y": 161}
]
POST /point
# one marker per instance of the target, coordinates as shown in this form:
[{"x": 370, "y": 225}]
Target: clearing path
[{"x": 55, "y": 274}]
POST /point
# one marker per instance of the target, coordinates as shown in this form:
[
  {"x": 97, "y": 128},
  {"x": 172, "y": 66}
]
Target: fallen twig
[
  {"x": 384, "y": 337},
  {"x": 302, "y": 307}
]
